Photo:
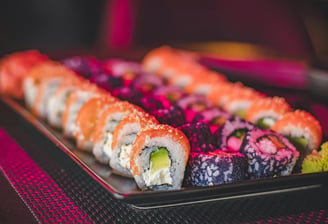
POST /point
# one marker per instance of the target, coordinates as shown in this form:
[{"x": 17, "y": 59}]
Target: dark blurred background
[{"x": 295, "y": 28}]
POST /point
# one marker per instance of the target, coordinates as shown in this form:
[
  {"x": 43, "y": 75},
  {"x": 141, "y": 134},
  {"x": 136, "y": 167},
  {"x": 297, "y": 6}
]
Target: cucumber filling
[
  {"x": 159, "y": 168},
  {"x": 266, "y": 122}
]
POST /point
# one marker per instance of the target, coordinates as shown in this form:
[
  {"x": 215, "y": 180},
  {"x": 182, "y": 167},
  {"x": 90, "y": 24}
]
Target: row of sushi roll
[{"x": 185, "y": 123}]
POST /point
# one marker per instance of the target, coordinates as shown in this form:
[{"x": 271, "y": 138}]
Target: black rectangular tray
[{"x": 125, "y": 189}]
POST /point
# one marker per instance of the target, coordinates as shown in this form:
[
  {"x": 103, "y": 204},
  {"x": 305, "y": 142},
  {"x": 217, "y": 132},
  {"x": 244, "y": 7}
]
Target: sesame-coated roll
[
  {"x": 264, "y": 112},
  {"x": 109, "y": 119},
  {"x": 15, "y": 67},
  {"x": 302, "y": 129},
  {"x": 268, "y": 154},
  {"x": 231, "y": 134},
  {"x": 74, "y": 102},
  {"x": 239, "y": 101},
  {"x": 124, "y": 136},
  {"x": 159, "y": 157},
  {"x": 214, "y": 168},
  {"x": 57, "y": 102},
  {"x": 87, "y": 118}
]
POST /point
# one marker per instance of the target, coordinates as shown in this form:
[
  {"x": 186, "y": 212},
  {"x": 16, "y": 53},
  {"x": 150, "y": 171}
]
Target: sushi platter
[{"x": 153, "y": 121}]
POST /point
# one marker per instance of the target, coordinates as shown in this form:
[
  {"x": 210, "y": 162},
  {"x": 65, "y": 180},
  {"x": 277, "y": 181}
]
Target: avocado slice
[
  {"x": 159, "y": 159},
  {"x": 263, "y": 124},
  {"x": 241, "y": 113},
  {"x": 299, "y": 142}
]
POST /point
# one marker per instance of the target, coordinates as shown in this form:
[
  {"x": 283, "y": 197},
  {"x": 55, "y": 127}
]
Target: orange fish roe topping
[
  {"x": 218, "y": 95},
  {"x": 300, "y": 123},
  {"x": 88, "y": 115},
  {"x": 15, "y": 67},
  {"x": 142, "y": 118},
  {"x": 276, "y": 106},
  {"x": 120, "y": 106},
  {"x": 153, "y": 131}
]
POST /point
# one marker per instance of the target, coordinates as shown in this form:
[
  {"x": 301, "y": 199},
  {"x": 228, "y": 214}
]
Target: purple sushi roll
[
  {"x": 171, "y": 93},
  {"x": 192, "y": 105},
  {"x": 85, "y": 66},
  {"x": 268, "y": 153},
  {"x": 199, "y": 136},
  {"x": 173, "y": 116},
  {"x": 127, "y": 70},
  {"x": 214, "y": 168},
  {"x": 147, "y": 83},
  {"x": 231, "y": 134},
  {"x": 213, "y": 117},
  {"x": 106, "y": 81},
  {"x": 128, "y": 94},
  {"x": 150, "y": 102}
]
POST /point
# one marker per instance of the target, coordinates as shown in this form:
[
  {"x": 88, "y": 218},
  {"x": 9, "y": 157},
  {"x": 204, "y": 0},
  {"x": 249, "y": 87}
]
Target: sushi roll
[
  {"x": 192, "y": 105},
  {"x": 107, "y": 81},
  {"x": 157, "y": 59},
  {"x": 204, "y": 83},
  {"x": 151, "y": 102},
  {"x": 172, "y": 115},
  {"x": 213, "y": 117},
  {"x": 199, "y": 136},
  {"x": 14, "y": 69},
  {"x": 147, "y": 83},
  {"x": 159, "y": 157},
  {"x": 214, "y": 168},
  {"x": 220, "y": 92},
  {"x": 231, "y": 134},
  {"x": 34, "y": 79},
  {"x": 171, "y": 93},
  {"x": 186, "y": 73},
  {"x": 266, "y": 111},
  {"x": 47, "y": 88},
  {"x": 109, "y": 119},
  {"x": 239, "y": 101},
  {"x": 85, "y": 66},
  {"x": 87, "y": 118},
  {"x": 268, "y": 153},
  {"x": 302, "y": 129},
  {"x": 124, "y": 136},
  {"x": 126, "y": 93},
  {"x": 75, "y": 101},
  {"x": 57, "y": 102}
]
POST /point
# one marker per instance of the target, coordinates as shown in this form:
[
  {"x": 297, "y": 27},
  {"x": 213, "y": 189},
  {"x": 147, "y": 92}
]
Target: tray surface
[{"x": 125, "y": 188}]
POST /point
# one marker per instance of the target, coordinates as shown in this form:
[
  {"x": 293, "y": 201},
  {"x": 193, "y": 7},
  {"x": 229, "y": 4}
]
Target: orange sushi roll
[
  {"x": 124, "y": 136},
  {"x": 264, "y": 112},
  {"x": 220, "y": 92},
  {"x": 57, "y": 102},
  {"x": 87, "y": 119},
  {"x": 302, "y": 129},
  {"x": 185, "y": 73},
  {"x": 75, "y": 101},
  {"x": 35, "y": 77},
  {"x": 204, "y": 83},
  {"x": 158, "y": 158},
  {"x": 240, "y": 100},
  {"x": 109, "y": 119},
  {"x": 47, "y": 87},
  {"x": 157, "y": 58},
  {"x": 15, "y": 67}
]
